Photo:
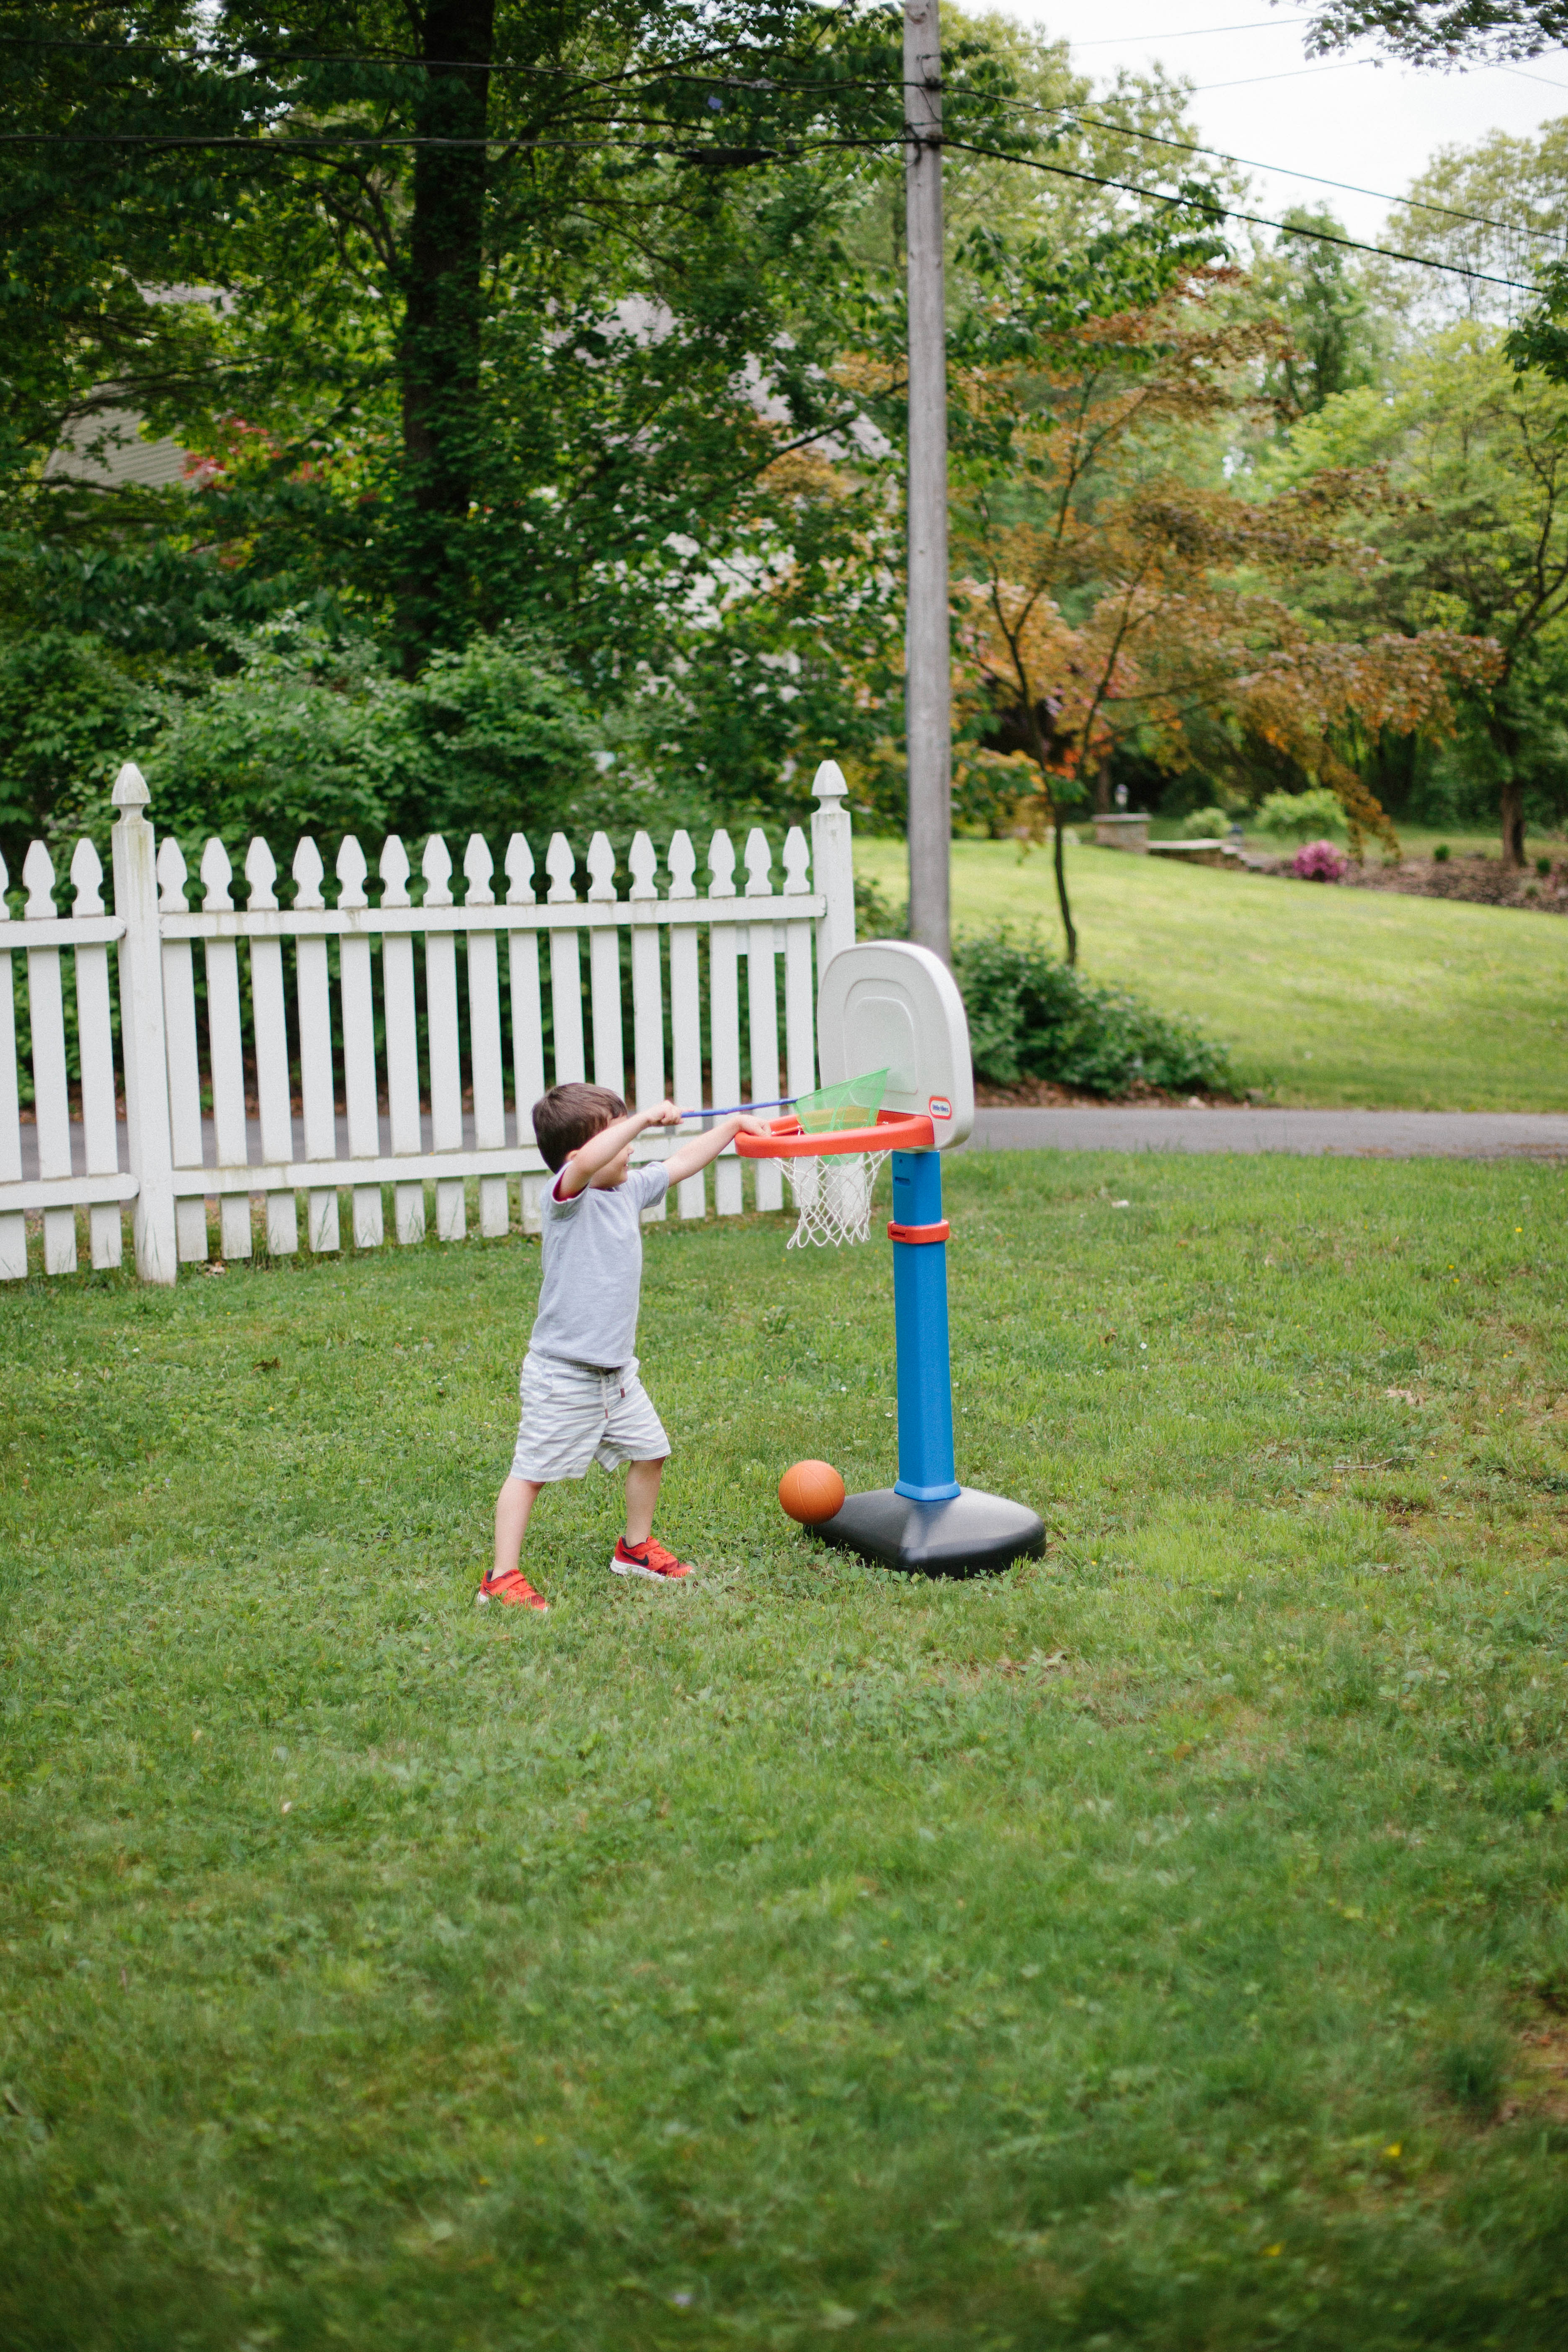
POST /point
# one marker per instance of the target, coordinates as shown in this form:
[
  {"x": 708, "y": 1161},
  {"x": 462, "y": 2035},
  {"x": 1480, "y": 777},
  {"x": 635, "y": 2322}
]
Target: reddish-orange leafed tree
[{"x": 1118, "y": 586}]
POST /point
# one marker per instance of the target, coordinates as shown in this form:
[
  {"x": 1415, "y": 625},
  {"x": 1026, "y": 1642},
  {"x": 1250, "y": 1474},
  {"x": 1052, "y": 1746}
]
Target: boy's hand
[
  {"x": 664, "y": 1115},
  {"x": 701, "y": 1149}
]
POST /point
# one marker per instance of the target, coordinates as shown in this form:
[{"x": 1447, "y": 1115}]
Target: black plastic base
[{"x": 972, "y": 1535}]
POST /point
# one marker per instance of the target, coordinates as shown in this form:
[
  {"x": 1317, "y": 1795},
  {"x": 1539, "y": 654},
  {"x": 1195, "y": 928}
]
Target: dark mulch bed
[
  {"x": 1484, "y": 881},
  {"x": 1043, "y": 1093}
]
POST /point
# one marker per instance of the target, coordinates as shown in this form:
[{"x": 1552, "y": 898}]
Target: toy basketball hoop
[{"x": 892, "y": 1009}]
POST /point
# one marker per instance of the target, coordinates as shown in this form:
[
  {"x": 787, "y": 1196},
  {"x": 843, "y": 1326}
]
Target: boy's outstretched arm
[
  {"x": 579, "y": 1168},
  {"x": 703, "y": 1148}
]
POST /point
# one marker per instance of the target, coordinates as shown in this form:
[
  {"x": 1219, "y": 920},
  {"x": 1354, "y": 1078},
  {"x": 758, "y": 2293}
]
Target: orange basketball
[{"x": 811, "y": 1492}]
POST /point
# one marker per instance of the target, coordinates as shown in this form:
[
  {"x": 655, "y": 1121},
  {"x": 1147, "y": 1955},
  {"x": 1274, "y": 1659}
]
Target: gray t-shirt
[{"x": 593, "y": 1270}]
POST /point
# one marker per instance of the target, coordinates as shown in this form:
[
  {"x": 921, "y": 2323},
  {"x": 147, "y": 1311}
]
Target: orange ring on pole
[
  {"x": 896, "y": 1233},
  {"x": 787, "y": 1140}
]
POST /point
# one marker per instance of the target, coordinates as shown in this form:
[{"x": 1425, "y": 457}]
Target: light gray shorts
[{"x": 574, "y": 1414}]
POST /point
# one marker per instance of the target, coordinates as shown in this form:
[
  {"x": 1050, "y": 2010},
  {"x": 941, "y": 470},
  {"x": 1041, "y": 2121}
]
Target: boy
[{"x": 581, "y": 1399}]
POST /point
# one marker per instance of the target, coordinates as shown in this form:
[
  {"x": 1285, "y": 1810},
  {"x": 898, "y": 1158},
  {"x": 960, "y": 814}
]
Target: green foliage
[
  {"x": 1333, "y": 344},
  {"x": 1443, "y": 32},
  {"x": 1210, "y": 824},
  {"x": 447, "y": 392},
  {"x": 71, "y": 710},
  {"x": 1025, "y": 1957},
  {"x": 1304, "y": 816},
  {"x": 1031, "y": 1015},
  {"x": 311, "y": 735},
  {"x": 1473, "y": 535},
  {"x": 1516, "y": 742},
  {"x": 876, "y": 917}
]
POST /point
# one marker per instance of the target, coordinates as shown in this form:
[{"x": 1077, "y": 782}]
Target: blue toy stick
[{"x": 727, "y": 1110}]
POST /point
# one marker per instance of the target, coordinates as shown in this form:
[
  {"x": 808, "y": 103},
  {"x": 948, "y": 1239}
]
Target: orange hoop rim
[{"x": 787, "y": 1140}]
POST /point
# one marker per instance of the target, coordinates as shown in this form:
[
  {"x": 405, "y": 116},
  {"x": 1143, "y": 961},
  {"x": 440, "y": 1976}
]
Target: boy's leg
[
  {"x": 506, "y": 1580},
  {"x": 636, "y": 1554},
  {"x": 642, "y": 1497},
  {"x": 513, "y": 1506}
]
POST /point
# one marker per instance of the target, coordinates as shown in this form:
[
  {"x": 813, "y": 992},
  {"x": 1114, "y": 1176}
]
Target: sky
[{"x": 1258, "y": 96}]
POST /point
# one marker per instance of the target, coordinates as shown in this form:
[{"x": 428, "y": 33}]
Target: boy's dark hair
[{"x": 567, "y": 1116}]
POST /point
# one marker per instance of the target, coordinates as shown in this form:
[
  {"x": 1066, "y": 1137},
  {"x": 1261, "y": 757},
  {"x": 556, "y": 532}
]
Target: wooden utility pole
[{"x": 927, "y": 645}]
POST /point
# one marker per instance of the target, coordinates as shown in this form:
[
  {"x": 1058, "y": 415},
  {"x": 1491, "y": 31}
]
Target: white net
[
  {"x": 833, "y": 1196},
  {"x": 833, "y": 1191}
]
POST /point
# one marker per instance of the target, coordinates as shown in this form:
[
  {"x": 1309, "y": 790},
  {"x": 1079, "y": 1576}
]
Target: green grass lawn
[
  {"x": 1324, "y": 996},
  {"x": 1162, "y": 1945}
]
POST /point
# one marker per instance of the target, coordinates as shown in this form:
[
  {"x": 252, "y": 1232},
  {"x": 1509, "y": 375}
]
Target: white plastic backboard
[{"x": 887, "y": 1004}]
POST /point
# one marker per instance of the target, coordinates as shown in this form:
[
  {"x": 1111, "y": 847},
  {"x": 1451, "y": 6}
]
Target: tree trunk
[
  {"x": 1059, "y": 864},
  {"x": 1029, "y": 713},
  {"x": 1510, "y": 810},
  {"x": 438, "y": 350},
  {"x": 1102, "y": 789}
]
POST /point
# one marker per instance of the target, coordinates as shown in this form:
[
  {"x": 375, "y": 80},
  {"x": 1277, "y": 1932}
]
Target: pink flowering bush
[{"x": 1319, "y": 861}]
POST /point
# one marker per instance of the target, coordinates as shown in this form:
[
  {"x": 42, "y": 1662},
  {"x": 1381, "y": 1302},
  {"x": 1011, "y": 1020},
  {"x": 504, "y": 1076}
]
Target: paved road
[
  {"x": 1361, "y": 1134},
  {"x": 1364, "y": 1134}
]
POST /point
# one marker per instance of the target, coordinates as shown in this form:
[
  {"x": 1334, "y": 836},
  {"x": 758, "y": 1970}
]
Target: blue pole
[{"x": 919, "y": 1319}]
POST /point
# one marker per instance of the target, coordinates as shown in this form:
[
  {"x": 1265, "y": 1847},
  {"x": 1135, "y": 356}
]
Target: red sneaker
[
  {"x": 651, "y": 1559},
  {"x": 513, "y": 1586}
]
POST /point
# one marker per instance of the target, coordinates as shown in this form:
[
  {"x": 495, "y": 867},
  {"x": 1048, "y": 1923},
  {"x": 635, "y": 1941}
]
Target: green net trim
[
  {"x": 833, "y": 1191},
  {"x": 855, "y": 1103}
]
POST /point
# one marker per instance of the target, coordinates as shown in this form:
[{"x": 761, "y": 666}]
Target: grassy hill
[{"x": 1325, "y": 996}]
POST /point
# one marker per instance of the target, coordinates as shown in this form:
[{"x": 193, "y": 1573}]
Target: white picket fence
[{"x": 402, "y": 1117}]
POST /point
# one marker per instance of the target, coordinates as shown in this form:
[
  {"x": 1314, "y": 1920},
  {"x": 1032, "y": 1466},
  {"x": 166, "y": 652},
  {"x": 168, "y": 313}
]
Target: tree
[
  {"x": 1120, "y": 590},
  {"x": 1475, "y": 537},
  {"x": 1307, "y": 284},
  {"x": 1497, "y": 209},
  {"x": 1443, "y": 32},
  {"x": 550, "y": 375}
]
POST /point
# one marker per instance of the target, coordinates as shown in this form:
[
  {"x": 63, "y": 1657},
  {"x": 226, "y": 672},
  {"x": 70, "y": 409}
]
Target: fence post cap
[
  {"x": 828, "y": 782},
  {"x": 759, "y": 864},
  {"x": 682, "y": 860},
  {"x": 519, "y": 872},
  {"x": 478, "y": 865},
  {"x": 218, "y": 873},
  {"x": 38, "y": 874},
  {"x": 131, "y": 788},
  {"x": 87, "y": 873}
]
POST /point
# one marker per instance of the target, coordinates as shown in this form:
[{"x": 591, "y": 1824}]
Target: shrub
[
  {"x": 1300, "y": 816},
  {"x": 315, "y": 735},
  {"x": 1031, "y": 1015},
  {"x": 878, "y": 916},
  {"x": 1205, "y": 824},
  {"x": 1441, "y": 854},
  {"x": 1544, "y": 866},
  {"x": 1319, "y": 861}
]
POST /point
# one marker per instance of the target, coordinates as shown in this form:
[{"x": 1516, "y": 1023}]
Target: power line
[
  {"x": 1188, "y": 33},
  {"x": 1292, "y": 73},
  {"x": 292, "y": 144},
  {"x": 743, "y": 157},
  {"x": 260, "y": 59},
  {"x": 1223, "y": 212},
  {"x": 782, "y": 89},
  {"x": 1251, "y": 163}
]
